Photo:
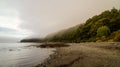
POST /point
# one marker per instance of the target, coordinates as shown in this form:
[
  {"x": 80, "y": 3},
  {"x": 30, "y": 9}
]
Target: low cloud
[{"x": 46, "y": 16}]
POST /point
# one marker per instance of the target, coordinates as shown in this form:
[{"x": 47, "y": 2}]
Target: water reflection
[{"x": 17, "y": 55}]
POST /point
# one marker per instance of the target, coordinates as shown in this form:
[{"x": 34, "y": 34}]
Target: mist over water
[
  {"x": 43, "y": 17},
  {"x": 28, "y": 19}
]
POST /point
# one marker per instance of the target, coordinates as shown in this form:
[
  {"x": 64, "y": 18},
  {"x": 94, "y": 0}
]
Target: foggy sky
[{"x": 47, "y": 16}]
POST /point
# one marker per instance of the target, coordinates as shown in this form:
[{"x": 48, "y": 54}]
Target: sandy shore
[{"x": 85, "y": 55}]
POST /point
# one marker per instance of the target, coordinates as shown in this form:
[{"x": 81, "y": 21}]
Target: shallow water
[{"x": 18, "y": 55}]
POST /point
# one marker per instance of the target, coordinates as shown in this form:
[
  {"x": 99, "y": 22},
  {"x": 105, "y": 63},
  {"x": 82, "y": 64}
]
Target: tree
[
  {"x": 98, "y": 27},
  {"x": 103, "y": 31}
]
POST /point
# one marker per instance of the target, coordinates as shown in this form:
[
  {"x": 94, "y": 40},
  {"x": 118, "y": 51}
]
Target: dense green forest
[{"x": 99, "y": 28}]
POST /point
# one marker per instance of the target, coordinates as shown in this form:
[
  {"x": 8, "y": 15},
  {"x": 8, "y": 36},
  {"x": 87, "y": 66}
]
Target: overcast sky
[{"x": 41, "y": 17}]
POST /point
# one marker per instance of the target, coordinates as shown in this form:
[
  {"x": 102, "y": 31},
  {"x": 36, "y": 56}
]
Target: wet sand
[{"x": 85, "y": 55}]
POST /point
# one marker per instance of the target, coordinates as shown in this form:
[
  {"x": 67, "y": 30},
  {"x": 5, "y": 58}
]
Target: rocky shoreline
[{"x": 85, "y": 55}]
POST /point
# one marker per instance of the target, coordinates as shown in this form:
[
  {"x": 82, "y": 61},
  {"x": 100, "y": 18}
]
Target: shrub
[
  {"x": 103, "y": 31},
  {"x": 110, "y": 40},
  {"x": 115, "y": 35},
  {"x": 99, "y": 41}
]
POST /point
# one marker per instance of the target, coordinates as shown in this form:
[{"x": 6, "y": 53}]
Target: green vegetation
[
  {"x": 103, "y": 31},
  {"x": 102, "y": 27}
]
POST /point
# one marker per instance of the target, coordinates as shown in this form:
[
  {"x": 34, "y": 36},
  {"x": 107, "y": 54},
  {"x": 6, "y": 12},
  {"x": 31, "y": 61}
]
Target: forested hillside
[{"x": 102, "y": 27}]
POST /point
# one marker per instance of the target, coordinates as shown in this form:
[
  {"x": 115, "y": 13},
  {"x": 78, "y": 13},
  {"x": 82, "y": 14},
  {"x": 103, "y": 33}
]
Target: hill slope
[{"x": 103, "y": 27}]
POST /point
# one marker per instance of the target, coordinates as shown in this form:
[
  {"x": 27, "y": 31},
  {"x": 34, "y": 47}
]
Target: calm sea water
[{"x": 18, "y": 55}]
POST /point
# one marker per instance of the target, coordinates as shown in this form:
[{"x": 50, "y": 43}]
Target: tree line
[{"x": 99, "y": 28}]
